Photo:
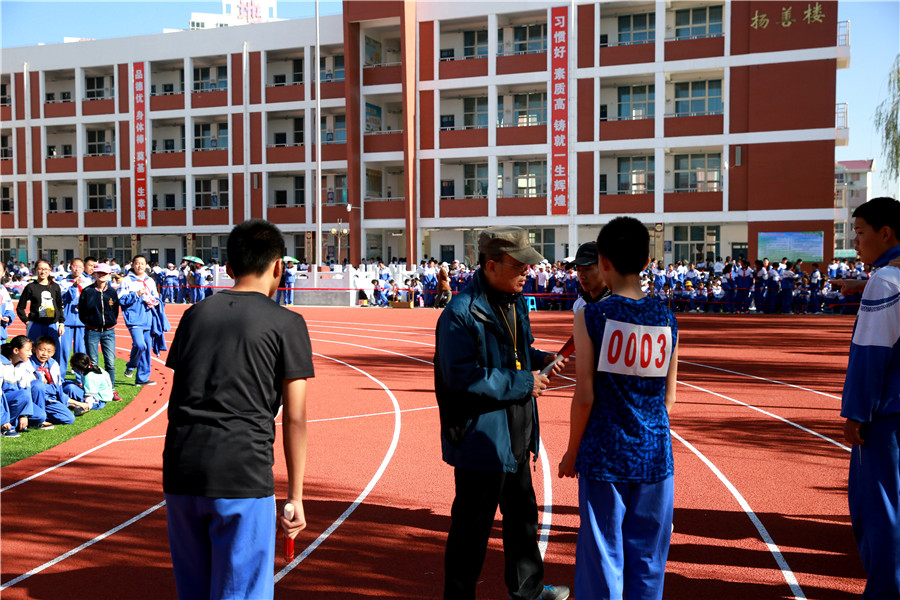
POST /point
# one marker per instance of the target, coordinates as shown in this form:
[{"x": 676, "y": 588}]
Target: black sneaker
[
  {"x": 554, "y": 592},
  {"x": 146, "y": 383}
]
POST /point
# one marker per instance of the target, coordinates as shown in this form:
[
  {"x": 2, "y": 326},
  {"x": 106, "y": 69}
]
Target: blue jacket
[
  {"x": 473, "y": 389},
  {"x": 137, "y": 312}
]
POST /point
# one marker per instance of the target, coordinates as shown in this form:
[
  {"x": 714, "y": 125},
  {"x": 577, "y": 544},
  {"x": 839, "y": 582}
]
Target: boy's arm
[
  {"x": 671, "y": 379},
  {"x": 294, "y": 425},
  {"x": 583, "y": 400}
]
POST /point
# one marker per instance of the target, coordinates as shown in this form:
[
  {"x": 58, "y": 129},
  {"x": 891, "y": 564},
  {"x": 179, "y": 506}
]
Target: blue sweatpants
[
  {"x": 73, "y": 337},
  {"x": 623, "y": 540},
  {"x": 18, "y": 404},
  {"x": 141, "y": 343},
  {"x": 874, "y": 497},
  {"x": 49, "y": 404},
  {"x": 222, "y": 547}
]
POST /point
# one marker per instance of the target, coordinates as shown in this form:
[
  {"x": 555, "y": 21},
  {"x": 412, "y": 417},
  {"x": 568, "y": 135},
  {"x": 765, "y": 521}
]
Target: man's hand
[
  {"x": 540, "y": 384},
  {"x": 851, "y": 432},
  {"x": 558, "y": 367},
  {"x": 295, "y": 526},
  {"x": 567, "y": 466},
  {"x": 62, "y": 329}
]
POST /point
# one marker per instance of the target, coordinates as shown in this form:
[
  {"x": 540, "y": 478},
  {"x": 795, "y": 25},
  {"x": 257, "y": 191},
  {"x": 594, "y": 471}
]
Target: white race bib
[{"x": 639, "y": 350}]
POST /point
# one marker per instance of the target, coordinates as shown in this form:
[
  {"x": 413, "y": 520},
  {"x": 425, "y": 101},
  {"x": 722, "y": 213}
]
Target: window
[
  {"x": 49, "y": 97},
  {"x": 168, "y": 89},
  {"x": 5, "y": 150},
  {"x": 6, "y": 204},
  {"x": 339, "y": 135},
  {"x": 210, "y": 193},
  {"x": 94, "y": 88},
  {"x": 299, "y": 190},
  {"x": 279, "y": 79},
  {"x": 280, "y": 198},
  {"x": 446, "y": 53},
  {"x": 210, "y": 79},
  {"x": 66, "y": 204},
  {"x": 696, "y": 243},
  {"x": 530, "y": 109},
  {"x": 223, "y": 136},
  {"x": 448, "y": 122},
  {"x": 475, "y": 115},
  {"x": 51, "y": 151},
  {"x": 475, "y": 43},
  {"x": 698, "y": 98},
  {"x": 544, "y": 241},
  {"x": 530, "y": 38},
  {"x": 67, "y": 150},
  {"x": 97, "y": 144},
  {"x": 202, "y": 136},
  {"x": 698, "y": 172},
  {"x": 475, "y": 180},
  {"x": 198, "y": 25},
  {"x": 635, "y": 174},
  {"x": 700, "y": 22},
  {"x": 636, "y": 101},
  {"x": 448, "y": 188},
  {"x": 297, "y": 70},
  {"x": 337, "y": 195},
  {"x": 530, "y": 179},
  {"x": 637, "y": 29},
  {"x": 298, "y": 131},
  {"x": 337, "y": 69},
  {"x": 4, "y": 94},
  {"x": 101, "y": 197},
  {"x": 280, "y": 139},
  {"x": 601, "y": 183}
]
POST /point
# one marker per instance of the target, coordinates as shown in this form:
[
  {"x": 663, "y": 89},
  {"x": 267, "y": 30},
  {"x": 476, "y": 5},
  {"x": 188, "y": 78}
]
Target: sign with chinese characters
[
  {"x": 782, "y": 16},
  {"x": 559, "y": 110},
  {"x": 249, "y": 11},
  {"x": 140, "y": 148}
]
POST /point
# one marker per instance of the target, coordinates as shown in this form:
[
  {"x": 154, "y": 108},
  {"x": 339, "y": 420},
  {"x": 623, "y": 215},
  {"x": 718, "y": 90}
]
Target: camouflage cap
[{"x": 508, "y": 240}]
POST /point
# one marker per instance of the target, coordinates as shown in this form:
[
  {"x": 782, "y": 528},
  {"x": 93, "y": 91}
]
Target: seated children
[
  {"x": 380, "y": 296},
  {"x": 619, "y": 440},
  {"x": 95, "y": 390},
  {"x": 17, "y": 380},
  {"x": 46, "y": 390}
]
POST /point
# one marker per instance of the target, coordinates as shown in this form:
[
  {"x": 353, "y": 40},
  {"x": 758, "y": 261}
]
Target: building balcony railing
[
  {"x": 699, "y": 36},
  {"x": 171, "y": 92},
  {"x": 523, "y": 124},
  {"x": 60, "y": 101},
  {"x": 385, "y": 198},
  {"x": 703, "y": 113},
  {"x": 843, "y": 33},
  {"x": 464, "y": 57},
  {"x": 383, "y": 131},
  {"x": 709, "y": 187},
  {"x": 463, "y": 127},
  {"x": 628, "y": 117},
  {"x": 842, "y": 124},
  {"x": 467, "y": 196},
  {"x": 630, "y": 43}
]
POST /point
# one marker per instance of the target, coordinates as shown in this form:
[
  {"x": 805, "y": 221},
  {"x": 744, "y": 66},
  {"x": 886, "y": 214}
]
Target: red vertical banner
[
  {"x": 559, "y": 110},
  {"x": 140, "y": 147}
]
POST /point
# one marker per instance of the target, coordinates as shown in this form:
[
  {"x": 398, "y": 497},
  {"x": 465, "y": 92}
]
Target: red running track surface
[{"x": 760, "y": 488}]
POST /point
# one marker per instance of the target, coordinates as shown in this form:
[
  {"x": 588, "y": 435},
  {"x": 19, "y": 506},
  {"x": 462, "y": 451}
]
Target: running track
[{"x": 760, "y": 496}]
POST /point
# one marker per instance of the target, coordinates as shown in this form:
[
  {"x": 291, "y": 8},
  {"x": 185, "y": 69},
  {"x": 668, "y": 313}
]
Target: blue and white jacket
[
  {"x": 872, "y": 387},
  {"x": 138, "y": 308}
]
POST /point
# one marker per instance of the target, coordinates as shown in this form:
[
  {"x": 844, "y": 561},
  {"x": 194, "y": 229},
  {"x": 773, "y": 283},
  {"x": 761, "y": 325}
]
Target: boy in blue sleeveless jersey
[
  {"x": 871, "y": 401},
  {"x": 619, "y": 441}
]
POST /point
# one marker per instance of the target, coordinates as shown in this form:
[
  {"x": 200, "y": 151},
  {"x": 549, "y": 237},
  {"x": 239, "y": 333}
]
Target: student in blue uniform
[
  {"x": 73, "y": 336},
  {"x": 138, "y": 297},
  {"x": 16, "y": 391},
  {"x": 871, "y": 401},
  {"x": 50, "y": 402},
  {"x": 760, "y": 274},
  {"x": 619, "y": 441}
]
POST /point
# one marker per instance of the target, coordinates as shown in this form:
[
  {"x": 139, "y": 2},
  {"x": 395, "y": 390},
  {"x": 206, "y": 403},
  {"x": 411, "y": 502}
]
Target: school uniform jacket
[{"x": 872, "y": 387}]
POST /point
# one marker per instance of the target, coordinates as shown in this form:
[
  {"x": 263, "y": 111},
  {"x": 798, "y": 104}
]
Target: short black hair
[
  {"x": 625, "y": 242},
  {"x": 880, "y": 212},
  {"x": 44, "y": 339},
  {"x": 253, "y": 246}
]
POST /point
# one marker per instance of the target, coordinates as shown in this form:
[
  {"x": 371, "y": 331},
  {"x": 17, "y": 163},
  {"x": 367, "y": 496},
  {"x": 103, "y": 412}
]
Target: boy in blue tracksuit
[
  {"x": 49, "y": 401},
  {"x": 871, "y": 401},
  {"x": 73, "y": 336},
  {"x": 619, "y": 441},
  {"x": 138, "y": 297}
]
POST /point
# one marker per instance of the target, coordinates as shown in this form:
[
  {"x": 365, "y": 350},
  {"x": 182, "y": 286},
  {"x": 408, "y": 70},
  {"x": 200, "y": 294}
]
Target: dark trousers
[{"x": 478, "y": 493}]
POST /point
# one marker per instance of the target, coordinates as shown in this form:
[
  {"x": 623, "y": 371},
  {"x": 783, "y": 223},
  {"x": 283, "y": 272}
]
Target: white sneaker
[{"x": 129, "y": 372}]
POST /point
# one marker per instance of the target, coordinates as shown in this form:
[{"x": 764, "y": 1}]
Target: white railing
[{"x": 842, "y": 115}]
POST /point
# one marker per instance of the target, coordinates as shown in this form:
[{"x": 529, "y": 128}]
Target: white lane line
[
  {"x": 773, "y": 415},
  {"x": 95, "y": 448},
  {"x": 362, "y": 496},
  {"x": 75, "y": 551},
  {"x": 799, "y": 387},
  {"x": 547, "y": 517},
  {"x": 786, "y": 572},
  {"x": 357, "y": 332}
]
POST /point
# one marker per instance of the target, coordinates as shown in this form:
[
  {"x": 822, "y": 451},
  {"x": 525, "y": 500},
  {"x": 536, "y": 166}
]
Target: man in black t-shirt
[{"x": 237, "y": 357}]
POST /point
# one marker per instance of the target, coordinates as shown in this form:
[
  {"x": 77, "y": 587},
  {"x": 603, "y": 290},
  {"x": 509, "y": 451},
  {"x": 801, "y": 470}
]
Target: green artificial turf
[{"x": 35, "y": 441}]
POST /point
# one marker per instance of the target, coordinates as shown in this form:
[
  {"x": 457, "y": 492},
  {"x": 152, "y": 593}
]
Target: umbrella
[
  {"x": 290, "y": 259},
  {"x": 193, "y": 259}
]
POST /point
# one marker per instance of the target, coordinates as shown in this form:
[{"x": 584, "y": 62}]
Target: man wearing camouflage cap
[{"x": 487, "y": 377}]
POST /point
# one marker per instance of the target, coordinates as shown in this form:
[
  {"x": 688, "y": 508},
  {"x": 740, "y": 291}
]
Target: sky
[{"x": 874, "y": 43}]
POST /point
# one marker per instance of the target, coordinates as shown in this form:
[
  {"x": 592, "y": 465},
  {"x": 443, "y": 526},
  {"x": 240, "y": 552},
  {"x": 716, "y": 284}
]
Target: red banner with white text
[
  {"x": 140, "y": 148},
  {"x": 559, "y": 110}
]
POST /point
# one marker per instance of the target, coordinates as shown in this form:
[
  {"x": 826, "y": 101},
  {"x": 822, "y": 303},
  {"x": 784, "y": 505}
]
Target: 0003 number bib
[{"x": 639, "y": 350}]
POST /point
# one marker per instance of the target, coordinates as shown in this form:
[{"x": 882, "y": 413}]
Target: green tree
[{"x": 887, "y": 121}]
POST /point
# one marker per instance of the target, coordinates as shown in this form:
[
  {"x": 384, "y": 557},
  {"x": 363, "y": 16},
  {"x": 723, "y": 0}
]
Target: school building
[{"x": 714, "y": 123}]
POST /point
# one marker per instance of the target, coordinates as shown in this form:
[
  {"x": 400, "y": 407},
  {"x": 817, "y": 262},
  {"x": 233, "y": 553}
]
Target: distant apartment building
[
  {"x": 713, "y": 123},
  {"x": 852, "y": 182}
]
